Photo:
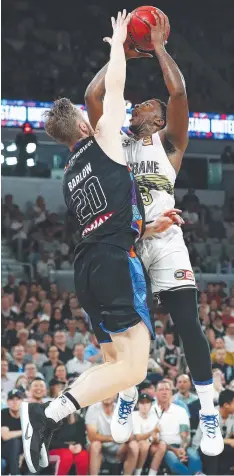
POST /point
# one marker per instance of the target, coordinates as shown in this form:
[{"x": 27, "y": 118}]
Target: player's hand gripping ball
[{"x": 139, "y": 31}]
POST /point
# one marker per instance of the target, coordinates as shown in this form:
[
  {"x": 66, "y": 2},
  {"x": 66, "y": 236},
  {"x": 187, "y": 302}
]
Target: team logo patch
[
  {"x": 147, "y": 140},
  {"x": 185, "y": 274}
]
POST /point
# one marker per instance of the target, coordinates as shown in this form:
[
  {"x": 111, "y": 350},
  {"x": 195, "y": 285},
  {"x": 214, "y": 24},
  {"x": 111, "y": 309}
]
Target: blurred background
[{"x": 52, "y": 49}]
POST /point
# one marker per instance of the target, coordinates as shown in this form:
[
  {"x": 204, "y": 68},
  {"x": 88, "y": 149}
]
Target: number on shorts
[{"x": 89, "y": 200}]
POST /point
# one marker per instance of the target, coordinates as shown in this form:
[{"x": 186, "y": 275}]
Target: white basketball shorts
[{"x": 166, "y": 260}]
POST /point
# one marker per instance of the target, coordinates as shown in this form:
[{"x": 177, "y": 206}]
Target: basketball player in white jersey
[{"x": 155, "y": 151}]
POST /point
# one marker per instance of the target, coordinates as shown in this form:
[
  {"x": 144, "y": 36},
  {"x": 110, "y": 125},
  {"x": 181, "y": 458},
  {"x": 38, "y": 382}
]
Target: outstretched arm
[
  {"x": 107, "y": 132},
  {"x": 176, "y": 129},
  {"x": 95, "y": 91}
]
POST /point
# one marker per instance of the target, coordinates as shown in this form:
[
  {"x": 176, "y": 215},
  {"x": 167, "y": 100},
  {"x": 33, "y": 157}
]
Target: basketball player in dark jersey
[
  {"x": 155, "y": 151},
  {"x": 110, "y": 282}
]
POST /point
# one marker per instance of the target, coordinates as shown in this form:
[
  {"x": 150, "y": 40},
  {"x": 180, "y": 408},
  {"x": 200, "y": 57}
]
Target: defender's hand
[
  {"x": 160, "y": 30},
  {"x": 119, "y": 28}
]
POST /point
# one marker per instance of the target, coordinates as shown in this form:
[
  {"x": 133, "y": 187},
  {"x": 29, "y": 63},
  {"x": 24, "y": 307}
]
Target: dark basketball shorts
[{"x": 114, "y": 289}]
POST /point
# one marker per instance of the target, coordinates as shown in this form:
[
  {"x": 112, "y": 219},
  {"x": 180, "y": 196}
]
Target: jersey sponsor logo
[
  {"x": 148, "y": 140},
  {"x": 96, "y": 223},
  {"x": 81, "y": 176},
  {"x": 184, "y": 274},
  {"x": 74, "y": 157}
]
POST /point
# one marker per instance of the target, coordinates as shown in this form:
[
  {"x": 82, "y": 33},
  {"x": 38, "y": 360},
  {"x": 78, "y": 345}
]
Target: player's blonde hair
[{"x": 62, "y": 120}]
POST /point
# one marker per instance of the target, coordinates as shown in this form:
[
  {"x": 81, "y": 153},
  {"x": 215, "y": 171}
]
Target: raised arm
[
  {"x": 107, "y": 132},
  {"x": 176, "y": 129}
]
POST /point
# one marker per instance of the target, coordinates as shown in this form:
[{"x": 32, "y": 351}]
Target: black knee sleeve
[{"x": 182, "y": 306}]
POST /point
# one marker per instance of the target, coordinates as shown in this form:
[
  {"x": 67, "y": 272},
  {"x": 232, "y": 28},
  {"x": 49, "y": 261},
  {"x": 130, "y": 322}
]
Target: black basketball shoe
[{"x": 36, "y": 432}]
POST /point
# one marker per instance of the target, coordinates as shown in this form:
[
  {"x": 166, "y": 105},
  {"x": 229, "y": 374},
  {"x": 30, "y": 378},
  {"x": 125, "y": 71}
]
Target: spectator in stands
[
  {"x": 184, "y": 390},
  {"x": 9, "y": 333},
  {"x": 17, "y": 365},
  {"x": 227, "y": 370},
  {"x": 56, "y": 322},
  {"x": 11, "y": 432},
  {"x": 33, "y": 355},
  {"x": 31, "y": 372},
  {"x": 220, "y": 344},
  {"x": 28, "y": 315},
  {"x": 42, "y": 328},
  {"x": 10, "y": 287},
  {"x": 49, "y": 367},
  {"x": 60, "y": 340},
  {"x": 169, "y": 355},
  {"x": 147, "y": 387},
  {"x": 83, "y": 329},
  {"x": 219, "y": 381},
  {"x": 78, "y": 363},
  {"x": 102, "y": 445},
  {"x": 216, "y": 330},
  {"x": 37, "y": 391},
  {"x": 146, "y": 433},
  {"x": 44, "y": 266},
  {"x": 93, "y": 352},
  {"x": 160, "y": 340},
  {"x": 68, "y": 447},
  {"x": 55, "y": 388},
  {"x": 173, "y": 423},
  {"x": 21, "y": 384},
  {"x": 227, "y": 156},
  {"x": 7, "y": 383},
  {"x": 229, "y": 338},
  {"x": 73, "y": 337},
  {"x": 22, "y": 336},
  {"x": 60, "y": 373}
]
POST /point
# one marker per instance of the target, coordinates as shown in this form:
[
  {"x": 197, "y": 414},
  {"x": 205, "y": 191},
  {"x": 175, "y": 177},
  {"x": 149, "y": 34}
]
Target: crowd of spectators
[
  {"x": 53, "y": 49},
  {"x": 47, "y": 240},
  {"x": 47, "y": 342}
]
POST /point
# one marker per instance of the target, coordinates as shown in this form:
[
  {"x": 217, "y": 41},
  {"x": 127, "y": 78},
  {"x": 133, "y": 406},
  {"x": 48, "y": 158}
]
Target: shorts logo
[{"x": 184, "y": 274}]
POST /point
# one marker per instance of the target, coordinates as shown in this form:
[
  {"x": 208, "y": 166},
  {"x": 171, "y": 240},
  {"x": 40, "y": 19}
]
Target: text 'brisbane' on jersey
[{"x": 103, "y": 198}]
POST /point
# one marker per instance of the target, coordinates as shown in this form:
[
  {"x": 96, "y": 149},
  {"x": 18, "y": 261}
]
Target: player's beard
[{"x": 142, "y": 129}]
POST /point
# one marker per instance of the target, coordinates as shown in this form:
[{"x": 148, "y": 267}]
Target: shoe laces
[
  {"x": 211, "y": 422},
  {"x": 125, "y": 409}
]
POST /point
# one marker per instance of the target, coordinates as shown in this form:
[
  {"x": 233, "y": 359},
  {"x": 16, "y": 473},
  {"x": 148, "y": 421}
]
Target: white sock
[
  {"x": 152, "y": 472},
  {"x": 138, "y": 471},
  {"x": 206, "y": 397},
  {"x": 60, "y": 408},
  {"x": 128, "y": 394}
]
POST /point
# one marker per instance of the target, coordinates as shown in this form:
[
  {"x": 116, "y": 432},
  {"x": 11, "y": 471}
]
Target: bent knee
[
  {"x": 134, "y": 446},
  {"x": 162, "y": 446}
]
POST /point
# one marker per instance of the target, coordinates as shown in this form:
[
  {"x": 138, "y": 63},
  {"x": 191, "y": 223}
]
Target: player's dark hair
[
  {"x": 226, "y": 396},
  {"x": 163, "y": 110},
  {"x": 61, "y": 121}
]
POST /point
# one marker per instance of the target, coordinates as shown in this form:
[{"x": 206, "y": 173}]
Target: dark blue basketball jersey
[{"x": 103, "y": 197}]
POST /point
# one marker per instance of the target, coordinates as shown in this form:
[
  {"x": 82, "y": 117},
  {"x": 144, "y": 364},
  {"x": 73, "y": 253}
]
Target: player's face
[{"x": 147, "y": 113}]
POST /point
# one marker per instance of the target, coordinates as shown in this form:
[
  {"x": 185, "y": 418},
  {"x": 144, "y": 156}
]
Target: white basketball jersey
[{"x": 153, "y": 171}]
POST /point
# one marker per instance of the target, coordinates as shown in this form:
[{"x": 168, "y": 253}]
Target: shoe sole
[
  {"x": 212, "y": 454},
  {"x": 26, "y": 427},
  {"x": 43, "y": 462}
]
